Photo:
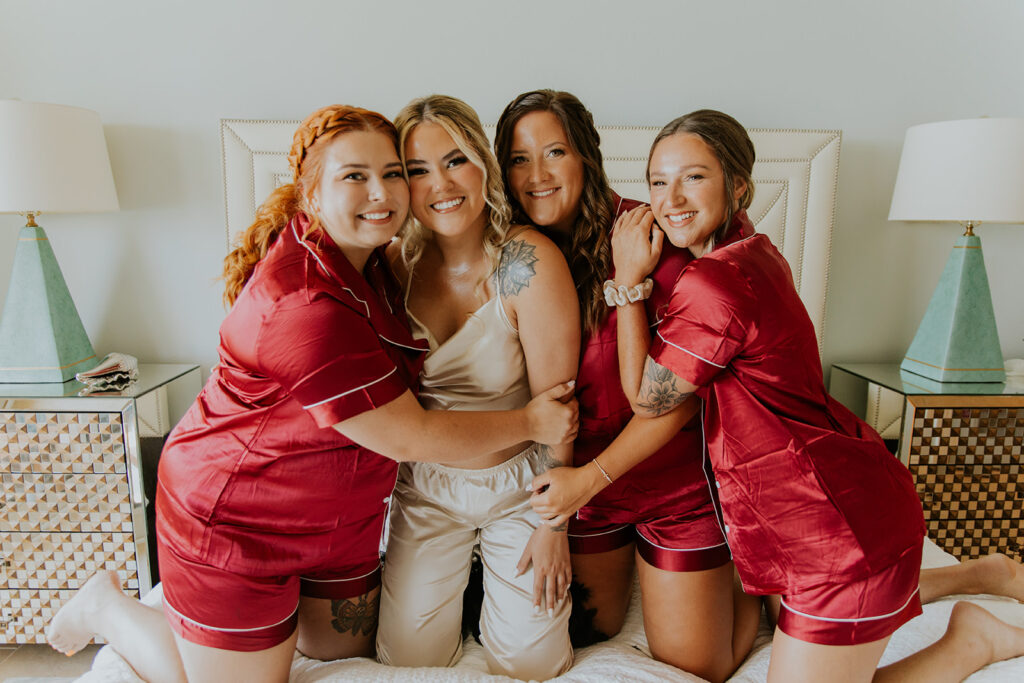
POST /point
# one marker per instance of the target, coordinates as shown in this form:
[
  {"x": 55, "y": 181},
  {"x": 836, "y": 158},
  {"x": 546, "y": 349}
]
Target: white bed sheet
[{"x": 625, "y": 657}]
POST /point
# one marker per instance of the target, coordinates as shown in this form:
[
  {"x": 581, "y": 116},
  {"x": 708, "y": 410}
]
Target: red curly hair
[{"x": 306, "y": 161}]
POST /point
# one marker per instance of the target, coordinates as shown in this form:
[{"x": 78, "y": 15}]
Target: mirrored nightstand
[{"x": 77, "y": 473}]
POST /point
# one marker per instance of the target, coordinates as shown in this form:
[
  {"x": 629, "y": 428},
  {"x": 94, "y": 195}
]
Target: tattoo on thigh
[
  {"x": 357, "y": 616},
  {"x": 659, "y": 389},
  {"x": 516, "y": 267}
]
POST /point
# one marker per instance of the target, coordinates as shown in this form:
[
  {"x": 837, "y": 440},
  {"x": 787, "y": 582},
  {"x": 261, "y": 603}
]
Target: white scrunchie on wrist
[{"x": 620, "y": 295}]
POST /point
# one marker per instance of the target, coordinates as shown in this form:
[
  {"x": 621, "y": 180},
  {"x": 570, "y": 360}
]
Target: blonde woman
[{"x": 497, "y": 305}]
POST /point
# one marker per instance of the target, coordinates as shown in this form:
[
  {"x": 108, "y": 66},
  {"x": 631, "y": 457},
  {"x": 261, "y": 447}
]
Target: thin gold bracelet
[{"x": 605, "y": 473}]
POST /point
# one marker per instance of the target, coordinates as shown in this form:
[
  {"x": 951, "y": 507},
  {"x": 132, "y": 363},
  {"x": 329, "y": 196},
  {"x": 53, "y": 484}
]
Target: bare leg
[
  {"x": 338, "y": 629},
  {"x": 695, "y": 622},
  {"x": 608, "y": 580},
  {"x": 797, "y": 661},
  {"x": 995, "y": 574},
  {"x": 973, "y": 639},
  {"x": 210, "y": 665},
  {"x": 140, "y": 634}
]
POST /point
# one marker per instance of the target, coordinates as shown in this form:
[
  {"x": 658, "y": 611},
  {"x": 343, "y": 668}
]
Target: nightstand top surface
[
  {"x": 151, "y": 376},
  {"x": 890, "y": 376}
]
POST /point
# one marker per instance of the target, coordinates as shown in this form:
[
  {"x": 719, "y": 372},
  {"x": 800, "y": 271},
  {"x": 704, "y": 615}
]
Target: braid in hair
[{"x": 306, "y": 160}]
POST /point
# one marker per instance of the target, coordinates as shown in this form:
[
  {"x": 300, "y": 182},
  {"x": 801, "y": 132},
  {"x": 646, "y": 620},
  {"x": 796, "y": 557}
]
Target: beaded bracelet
[
  {"x": 620, "y": 295},
  {"x": 602, "y": 470}
]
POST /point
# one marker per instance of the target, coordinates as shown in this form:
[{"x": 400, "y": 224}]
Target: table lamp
[
  {"x": 53, "y": 159},
  {"x": 965, "y": 171}
]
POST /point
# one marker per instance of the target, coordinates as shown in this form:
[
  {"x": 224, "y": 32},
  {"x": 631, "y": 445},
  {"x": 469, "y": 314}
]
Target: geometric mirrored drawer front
[
  {"x": 966, "y": 462},
  {"x": 961, "y": 441},
  {"x": 73, "y": 482}
]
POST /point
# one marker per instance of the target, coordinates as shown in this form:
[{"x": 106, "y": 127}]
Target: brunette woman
[
  {"x": 817, "y": 511},
  {"x": 496, "y": 303},
  {"x": 272, "y": 492},
  {"x": 662, "y": 510}
]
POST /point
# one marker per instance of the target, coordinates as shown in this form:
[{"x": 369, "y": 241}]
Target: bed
[{"x": 794, "y": 205}]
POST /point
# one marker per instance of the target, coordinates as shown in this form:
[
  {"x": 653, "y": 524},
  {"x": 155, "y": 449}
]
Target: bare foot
[
  {"x": 997, "y": 574},
  {"x": 72, "y": 627},
  {"x": 990, "y": 639}
]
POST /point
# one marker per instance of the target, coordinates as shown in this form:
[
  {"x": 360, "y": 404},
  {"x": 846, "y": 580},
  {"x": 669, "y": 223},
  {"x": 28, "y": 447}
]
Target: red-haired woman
[{"x": 272, "y": 490}]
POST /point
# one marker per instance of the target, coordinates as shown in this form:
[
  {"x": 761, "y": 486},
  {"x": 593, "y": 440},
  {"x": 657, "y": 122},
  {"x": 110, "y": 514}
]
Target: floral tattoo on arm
[
  {"x": 659, "y": 389},
  {"x": 516, "y": 268},
  {"x": 549, "y": 462}
]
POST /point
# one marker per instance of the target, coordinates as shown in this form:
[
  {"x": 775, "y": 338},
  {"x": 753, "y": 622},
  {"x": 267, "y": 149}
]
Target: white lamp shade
[
  {"x": 53, "y": 159},
  {"x": 970, "y": 170}
]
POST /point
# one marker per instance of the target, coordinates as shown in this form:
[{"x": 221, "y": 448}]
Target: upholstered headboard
[{"x": 794, "y": 178}]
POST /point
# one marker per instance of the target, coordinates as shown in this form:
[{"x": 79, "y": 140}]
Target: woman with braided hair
[{"x": 273, "y": 487}]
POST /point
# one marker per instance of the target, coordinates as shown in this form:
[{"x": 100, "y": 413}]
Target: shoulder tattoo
[
  {"x": 516, "y": 268},
  {"x": 659, "y": 389}
]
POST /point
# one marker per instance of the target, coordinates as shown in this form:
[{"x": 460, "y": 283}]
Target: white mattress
[{"x": 626, "y": 656}]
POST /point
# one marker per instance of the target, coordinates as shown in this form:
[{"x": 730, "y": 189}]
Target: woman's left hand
[
  {"x": 636, "y": 245},
  {"x": 560, "y": 492},
  {"x": 548, "y": 552}
]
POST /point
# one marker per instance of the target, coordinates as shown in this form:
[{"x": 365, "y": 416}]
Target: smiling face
[
  {"x": 446, "y": 188},
  {"x": 688, "y": 194},
  {"x": 361, "y": 198},
  {"x": 544, "y": 172}
]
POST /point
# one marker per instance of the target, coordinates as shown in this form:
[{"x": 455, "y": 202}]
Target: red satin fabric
[
  {"x": 671, "y": 481},
  {"x": 809, "y": 492},
  {"x": 254, "y": 479}
]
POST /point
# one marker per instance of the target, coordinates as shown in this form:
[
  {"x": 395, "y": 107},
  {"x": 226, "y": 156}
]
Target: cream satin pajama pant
[{"x": 439, "y": 514}]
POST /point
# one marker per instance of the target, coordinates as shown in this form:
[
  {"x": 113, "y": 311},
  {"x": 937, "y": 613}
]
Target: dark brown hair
[
  {"x": 306, "y": 161},
  {"x": 730, "y": 144},
  {"x": 589, "y": 249}
]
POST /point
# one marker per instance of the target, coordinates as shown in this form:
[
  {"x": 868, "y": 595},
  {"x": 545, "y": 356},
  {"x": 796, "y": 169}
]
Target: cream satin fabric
[
  {"x": 480, "y": 367},
  {"x": 438, "y": 515}
]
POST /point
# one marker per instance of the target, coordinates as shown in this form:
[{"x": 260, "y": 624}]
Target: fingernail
[
  {"x": 529, "y": 487},
  {"x": 572, "y": 383},
  {"x": 536, "y": 609},
  {"x": 551, "y": 612}
]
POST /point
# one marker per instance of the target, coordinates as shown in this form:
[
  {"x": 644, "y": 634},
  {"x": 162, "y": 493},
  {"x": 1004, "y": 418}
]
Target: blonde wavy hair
[
  {"x": 306, "y": 160},
  {"x": 463, "y": 125}
]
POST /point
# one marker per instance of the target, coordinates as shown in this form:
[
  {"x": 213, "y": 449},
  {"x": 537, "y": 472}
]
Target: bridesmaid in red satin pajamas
[
  {"x": 274, "y": 487},
  {"x": 817, "y": 510},
  {"x": 658, "y": 516}
]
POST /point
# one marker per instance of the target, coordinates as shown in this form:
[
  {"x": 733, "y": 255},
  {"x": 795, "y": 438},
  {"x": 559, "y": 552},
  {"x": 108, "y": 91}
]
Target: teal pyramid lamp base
[
  {"x": 957, "y": 340},
  {"x": 41, "y": 335}
]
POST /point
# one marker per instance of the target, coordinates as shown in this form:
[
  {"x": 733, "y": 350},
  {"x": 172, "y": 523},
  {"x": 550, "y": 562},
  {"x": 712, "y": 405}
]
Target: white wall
[{"x": 162, "y": 75}]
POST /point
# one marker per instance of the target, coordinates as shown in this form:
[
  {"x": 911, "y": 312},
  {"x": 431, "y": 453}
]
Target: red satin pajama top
[
  {"x": 672, "y": 480},
  {"x": 809, "y": 493},
  {"x": 254, "y": 479}
]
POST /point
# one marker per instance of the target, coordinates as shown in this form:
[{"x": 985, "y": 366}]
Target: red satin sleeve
[
  {"x": 328, "y": 358},
  {"x": 709, "y": 319}
]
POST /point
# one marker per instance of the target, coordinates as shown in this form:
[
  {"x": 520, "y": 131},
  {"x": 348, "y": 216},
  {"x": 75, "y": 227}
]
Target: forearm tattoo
[
  {"x": 357, "y": 616},
  {"x": 547, "y": 459},
  {"x": 516, "y": 268},
  {"x": 549, "y": 462},
  {"x": 659, "y": 389}
]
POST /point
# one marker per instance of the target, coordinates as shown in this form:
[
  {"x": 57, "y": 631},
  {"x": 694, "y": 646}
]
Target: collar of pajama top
[{"x": 363, "y": 292}]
